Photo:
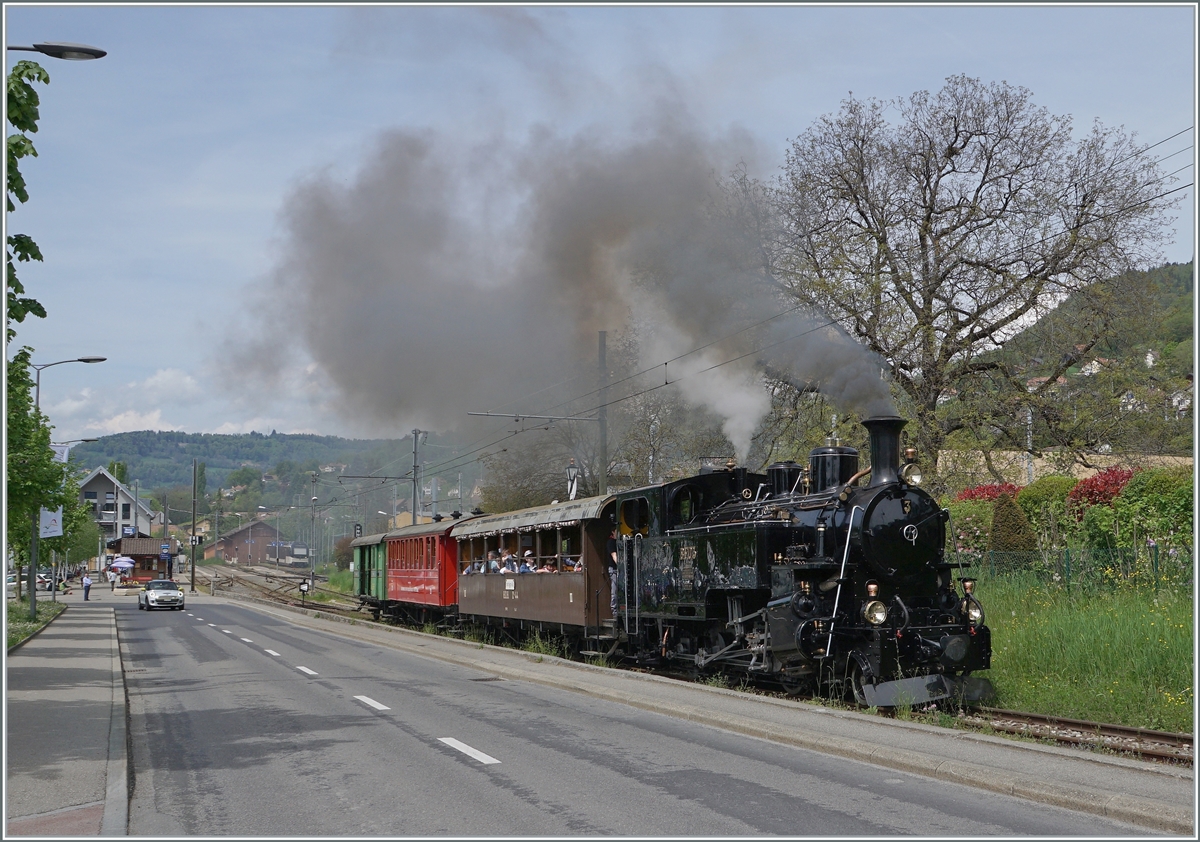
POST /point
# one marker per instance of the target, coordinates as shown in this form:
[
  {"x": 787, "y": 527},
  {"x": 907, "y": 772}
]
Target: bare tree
[{"x": 935, "y": 239}]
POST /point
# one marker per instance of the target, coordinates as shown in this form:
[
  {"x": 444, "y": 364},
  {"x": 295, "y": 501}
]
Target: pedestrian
[
  {"x": 112, "y": 579},
  {"x": 87, "y": 586},
  {"x": 611, "y": 563}
]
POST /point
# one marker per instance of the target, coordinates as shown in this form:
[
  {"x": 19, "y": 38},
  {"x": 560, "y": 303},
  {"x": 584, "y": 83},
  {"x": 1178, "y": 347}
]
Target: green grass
[
  {"x": 547, "y": 645},
  {"x": 20, "y": 627},
  {"x": 1114, "y": 654}
]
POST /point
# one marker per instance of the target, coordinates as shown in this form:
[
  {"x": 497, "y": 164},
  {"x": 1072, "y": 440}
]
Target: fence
[{"x": 1123, "y": 566}]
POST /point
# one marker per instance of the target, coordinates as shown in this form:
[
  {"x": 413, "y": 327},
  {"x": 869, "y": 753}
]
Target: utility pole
[
  {"x": 603, "y": 414},
  {"x": 416, "y": 478},
  {"x": 193, "y": 538},
  {"x": 312, "y": 534},
  {"x": 136, "y": 499}
]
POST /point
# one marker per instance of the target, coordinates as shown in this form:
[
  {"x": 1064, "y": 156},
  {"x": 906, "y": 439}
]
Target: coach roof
[{"x": 537, "y": 517}]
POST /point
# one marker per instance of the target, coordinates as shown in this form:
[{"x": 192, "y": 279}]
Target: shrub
[
  {"x": 1044, "y": 503},
  {"x": 1011, "y": 532},
  {"x": 1157, "y": 504},
  {"x": 972, "y": 521},
  {"x": 1098, "y": 490},
  {"x": 987, "y": 492}
]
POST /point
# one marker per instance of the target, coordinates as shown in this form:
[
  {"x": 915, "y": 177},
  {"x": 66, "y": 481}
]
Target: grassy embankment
[
  {"x": 18, "y": 625},
  {"x": 1114, "y": 654}
]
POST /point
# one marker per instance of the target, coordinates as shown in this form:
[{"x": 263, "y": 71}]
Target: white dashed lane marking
[
  {"x": 227, "y": 631},
  {"x": 367, "y": 700},
  {"x": 247, "y": 640},
  {"x": 272, "y": 652},
  {"x": 214, "y": 625},
  {"x": 467, "y": 750},
  {"x": 306, "y": 670}
]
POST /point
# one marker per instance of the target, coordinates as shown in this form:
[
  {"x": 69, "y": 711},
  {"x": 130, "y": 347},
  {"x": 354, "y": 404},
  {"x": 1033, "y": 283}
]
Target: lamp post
[
  {"x": 34, "y": 515},
  {"x": 54, "y": 567},
  {"x": 277, "y": 510},
  {"x": 572, "y": 480},
  {"x": 312, "y": 534},
  {"x": 64, "y": 50},
  {"x": 37, "y": 384}
]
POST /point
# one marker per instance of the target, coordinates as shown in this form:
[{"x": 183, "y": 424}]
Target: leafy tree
[
  {"x": 34, "y": 479},
  {"x": 1011, "y": 532},
  {"x": 120, "y": 471},
  {"x": 934, "y": 239},
  {"x": 23, "y": 102},
  {"x": 990, "y": 493}
]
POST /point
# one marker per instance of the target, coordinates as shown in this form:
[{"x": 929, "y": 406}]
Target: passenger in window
[
  {"x": 508, "y": 562},
  {"x": 528, "y": 564},
  {"x": 493, "y": 565},
  {"x": 548, "y": 567}
]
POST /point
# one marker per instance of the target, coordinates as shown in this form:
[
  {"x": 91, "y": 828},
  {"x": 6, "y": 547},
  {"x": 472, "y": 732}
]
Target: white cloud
[{"x": 129, "y": 421}]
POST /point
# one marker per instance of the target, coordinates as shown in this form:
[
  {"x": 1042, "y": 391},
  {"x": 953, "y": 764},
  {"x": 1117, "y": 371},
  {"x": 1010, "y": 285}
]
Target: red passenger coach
[{"x": 422, "y": 565}]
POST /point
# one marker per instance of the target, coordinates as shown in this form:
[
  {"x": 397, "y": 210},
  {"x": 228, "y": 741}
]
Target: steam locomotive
[{"x": 800, "y": 576}]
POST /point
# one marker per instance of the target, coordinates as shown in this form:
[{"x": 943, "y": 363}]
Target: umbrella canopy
[{"x": 122, "y": 564}]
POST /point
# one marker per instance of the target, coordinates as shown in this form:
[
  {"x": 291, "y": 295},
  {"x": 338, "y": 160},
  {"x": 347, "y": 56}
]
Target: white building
[{"x": 114, "y": 509}]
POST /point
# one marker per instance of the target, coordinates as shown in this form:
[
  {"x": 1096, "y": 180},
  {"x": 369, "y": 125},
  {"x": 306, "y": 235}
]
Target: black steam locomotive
[{"x": 800, "y": 575}]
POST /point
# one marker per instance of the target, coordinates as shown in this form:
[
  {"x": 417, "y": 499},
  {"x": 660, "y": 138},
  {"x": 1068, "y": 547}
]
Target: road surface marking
[
  {"x": 467, "y": 750},
  {"x": 247, "y": 640},
  {"x": 214, "y": 625},
  {"x": 227, "y": 631},
  {"x": 369, "y": 701},
  {"x": 271, "y": 652},
  {"x": 307, "y": 670}
]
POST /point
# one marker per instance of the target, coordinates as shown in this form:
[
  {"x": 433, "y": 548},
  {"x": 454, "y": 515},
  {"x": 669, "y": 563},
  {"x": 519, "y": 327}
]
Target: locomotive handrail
[{"x": 837, "y": 597}]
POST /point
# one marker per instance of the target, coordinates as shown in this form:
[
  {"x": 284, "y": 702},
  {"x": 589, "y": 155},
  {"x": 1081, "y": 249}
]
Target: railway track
[{"x": 1140, "y": 742}]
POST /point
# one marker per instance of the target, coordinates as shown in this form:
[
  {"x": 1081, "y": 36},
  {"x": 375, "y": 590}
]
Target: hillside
[{"x": 164, "y": 459}]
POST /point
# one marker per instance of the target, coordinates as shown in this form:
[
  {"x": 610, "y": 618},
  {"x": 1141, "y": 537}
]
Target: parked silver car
[{"x": 160, "y": 593}]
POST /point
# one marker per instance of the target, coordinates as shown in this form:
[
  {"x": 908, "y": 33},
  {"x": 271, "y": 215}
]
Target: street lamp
[
  {"x": 37, "y": 386},
  {"x": 572, "y": 480},
  {"x": 276, "y": 509},
  {"x": 54, "y": 567},
  {"x": 64, "y": 50},
  {"x": 34, "y": 515}
]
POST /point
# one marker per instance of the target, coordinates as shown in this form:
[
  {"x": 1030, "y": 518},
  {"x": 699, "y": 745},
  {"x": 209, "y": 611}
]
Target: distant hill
[{"x": 164, "y": 459}]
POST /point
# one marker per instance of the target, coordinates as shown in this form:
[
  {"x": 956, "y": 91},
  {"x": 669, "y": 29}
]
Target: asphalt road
[{"x": 244, "y": 724}]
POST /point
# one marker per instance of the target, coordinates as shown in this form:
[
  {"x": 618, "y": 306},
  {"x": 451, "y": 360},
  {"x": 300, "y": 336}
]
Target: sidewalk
[{"x": 66, "y": 765}]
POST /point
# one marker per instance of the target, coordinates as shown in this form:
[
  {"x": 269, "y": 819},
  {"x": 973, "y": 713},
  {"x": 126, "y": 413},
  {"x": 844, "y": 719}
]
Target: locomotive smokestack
[{"x": 885, "y": 447}]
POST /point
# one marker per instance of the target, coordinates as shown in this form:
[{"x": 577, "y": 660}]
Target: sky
[{"x": 358, "y": 220}]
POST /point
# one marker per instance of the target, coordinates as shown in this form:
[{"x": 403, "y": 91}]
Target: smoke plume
[{"x": 446, "y": 279}]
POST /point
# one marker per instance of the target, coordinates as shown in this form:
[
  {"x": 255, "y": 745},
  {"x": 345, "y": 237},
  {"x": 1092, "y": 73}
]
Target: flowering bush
[
  {"x": 1098, "y": 490},
  {"x": 972, "y": 522},
  {"x": 987, "y": 492}
]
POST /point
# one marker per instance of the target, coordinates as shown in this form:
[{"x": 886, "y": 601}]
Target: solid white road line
[
  {"x": 467, "y": 750},
  {"x": 247, "y": 640},
  {"x": 307, "y": 670},
  {"x": 271, "y": 652},
  {"x": 366, "y": 700}
]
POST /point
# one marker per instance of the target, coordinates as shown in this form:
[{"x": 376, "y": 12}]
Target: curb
[
  {"x": 117, "y": 774},
  {"x": 1143, "y": 812}
]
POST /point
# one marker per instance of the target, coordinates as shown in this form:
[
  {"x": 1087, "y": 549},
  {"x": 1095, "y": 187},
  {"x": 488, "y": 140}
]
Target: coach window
[{"x": 635, "y": 516}]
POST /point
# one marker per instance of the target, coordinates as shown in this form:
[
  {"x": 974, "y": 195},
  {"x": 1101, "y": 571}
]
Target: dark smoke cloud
[{"x": 444, "y": 280}]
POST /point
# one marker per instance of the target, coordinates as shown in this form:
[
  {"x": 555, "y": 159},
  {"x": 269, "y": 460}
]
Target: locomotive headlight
[
  {"x": 911, "y": 474},
  {"x": 974, "y": 612},
  {"x": 875, "y": 612}
]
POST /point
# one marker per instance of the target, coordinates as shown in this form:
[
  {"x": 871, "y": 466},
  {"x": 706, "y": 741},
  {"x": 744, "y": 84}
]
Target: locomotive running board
[{"x": 927, "y": 688}]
